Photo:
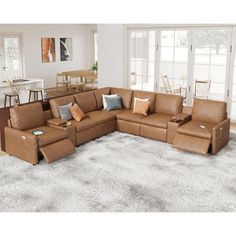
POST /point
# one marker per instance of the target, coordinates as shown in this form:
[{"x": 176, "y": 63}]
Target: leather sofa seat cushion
[
  {"x": 27, "y": 116},
  {"x": 142, "y": 95},
  {"x": 85, "y": 123},
  {"x": 125, "y": 94},
  {"x": 168, "y": 104},
  {"x": 61, "y": 101},
  {"x": 115, "y": 112},
  {"x": 50, "y": 135},
  {"x": 101, "y": 117},
  {"x": 130, "y": 116},
  {"x": 157, "y": 120},
  {"x": 209, "y": 111},
  {"x": 98, "y": 95},
  {"x": 193, "y": 128},
  {"x": 86, "y": 101}
]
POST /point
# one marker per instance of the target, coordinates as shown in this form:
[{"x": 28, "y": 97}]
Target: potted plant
[{"x": 94, "y": 67}]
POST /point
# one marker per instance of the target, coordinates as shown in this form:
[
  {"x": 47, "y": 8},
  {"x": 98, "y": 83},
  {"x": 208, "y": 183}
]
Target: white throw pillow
[
  {"x": 104, "y": 101},
  {"x": 142, "y": 100}
]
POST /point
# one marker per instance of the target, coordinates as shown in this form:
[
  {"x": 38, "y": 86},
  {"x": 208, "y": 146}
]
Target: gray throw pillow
[
  {"x": 65, "y": 111},
  {"x": 113, "y": 103}
]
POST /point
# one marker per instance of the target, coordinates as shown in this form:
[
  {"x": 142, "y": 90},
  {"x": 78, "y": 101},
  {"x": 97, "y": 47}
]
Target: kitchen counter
[{"x": 24, "y": 84}]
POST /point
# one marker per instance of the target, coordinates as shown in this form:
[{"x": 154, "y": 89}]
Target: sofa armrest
[
  {"x": 181, "y": 118},
  {"x": 56, "y": 121},
  {"x": 70, "y": 129},
  {"x": 220, "y": 135},
  {"x": 22, "y": 145}
]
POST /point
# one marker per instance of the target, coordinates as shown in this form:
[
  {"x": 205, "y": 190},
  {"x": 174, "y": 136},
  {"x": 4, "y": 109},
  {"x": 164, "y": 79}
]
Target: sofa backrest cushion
[
  {"x": 61, "y": 101},
  {"x": 98, "y": 95},
  {"x": 209, "y": 111},
  {"x": 27, "y": 116},
  {"x": 86, "y": 101},
  {"x": 125, "y": 94},
  {"x": 168, "y": 104},
  {"x": 143, "y": 94}
]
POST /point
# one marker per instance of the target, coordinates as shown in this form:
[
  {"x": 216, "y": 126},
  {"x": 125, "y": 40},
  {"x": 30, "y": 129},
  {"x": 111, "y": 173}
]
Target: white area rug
[{"x": 121, "y": 172}]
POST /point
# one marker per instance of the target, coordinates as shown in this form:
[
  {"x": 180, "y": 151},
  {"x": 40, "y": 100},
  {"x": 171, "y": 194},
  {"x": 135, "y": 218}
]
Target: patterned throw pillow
[
  {"x": 77, "y": 112},
  {"x": 141, "y": 106},
  {"x": 65, "y": 112},
  {"x": 113, "y": 103},
  {"x": 104, "y": 101}
]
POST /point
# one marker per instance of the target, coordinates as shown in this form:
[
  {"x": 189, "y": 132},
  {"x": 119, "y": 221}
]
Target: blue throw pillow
[
  {"x": 65, "y": 112},
  {"x": 113, "y": 103}
]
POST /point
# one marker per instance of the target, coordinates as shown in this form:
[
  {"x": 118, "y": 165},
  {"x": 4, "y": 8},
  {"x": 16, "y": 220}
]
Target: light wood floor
[{"x": 3, "y": 153}]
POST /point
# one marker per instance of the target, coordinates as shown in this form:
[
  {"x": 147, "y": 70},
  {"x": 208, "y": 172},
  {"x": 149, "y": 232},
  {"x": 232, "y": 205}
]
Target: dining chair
[
  {"x": 170, "y": 88},
  {"x": 202, "y": 89},
  {"x": 63, "y": 81}
]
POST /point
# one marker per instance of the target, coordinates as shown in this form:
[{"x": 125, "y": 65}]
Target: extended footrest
[
  {"x": 56, "y": 151},
  {"x": 192, "y": 144}
]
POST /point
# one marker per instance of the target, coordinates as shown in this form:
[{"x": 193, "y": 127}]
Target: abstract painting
[
  {"x": 66, "y": 49},
  {"x": 48, "y": 49}
]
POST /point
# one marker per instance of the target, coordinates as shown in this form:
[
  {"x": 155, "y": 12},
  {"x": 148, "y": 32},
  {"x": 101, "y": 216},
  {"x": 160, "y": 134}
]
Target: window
[
  {"x": 142, "y": 59},
  {"x": 10, "y": 57},
  {"x": 174, "y": 57},
  {"x": 210, "y": 59},
  {"x": 185, "y": 55},
  {"x": 95, "y": 48}
]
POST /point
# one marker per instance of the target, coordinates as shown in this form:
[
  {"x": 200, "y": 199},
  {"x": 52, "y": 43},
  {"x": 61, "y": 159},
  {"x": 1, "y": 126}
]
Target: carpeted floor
[{"x": 121, "y": 172}]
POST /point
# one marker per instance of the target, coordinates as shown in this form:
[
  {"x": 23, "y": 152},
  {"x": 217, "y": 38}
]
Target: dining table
[{"x": 86, "y": 75}]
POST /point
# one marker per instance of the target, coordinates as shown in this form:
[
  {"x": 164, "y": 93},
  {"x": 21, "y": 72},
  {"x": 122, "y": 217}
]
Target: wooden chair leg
[
  {"x": 10, "y": 101},
  {"x": 5, "y": 101},
  {"x": 29, "y": 96},
  {"x": 18, "y": 98}
]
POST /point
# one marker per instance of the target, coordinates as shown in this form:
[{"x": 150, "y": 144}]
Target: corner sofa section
[
  {"x": 99, "y": 122},
  {"x": 96, "y": 123}
]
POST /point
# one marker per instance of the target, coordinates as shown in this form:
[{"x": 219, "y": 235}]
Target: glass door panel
[
  {"x": 141, "y": 59},
  {"x": 210, "y": 62},
  {"x": 233, "y": 92},
  {"x": 10, "y": 57},
  {"x": 173, "y": 63}
]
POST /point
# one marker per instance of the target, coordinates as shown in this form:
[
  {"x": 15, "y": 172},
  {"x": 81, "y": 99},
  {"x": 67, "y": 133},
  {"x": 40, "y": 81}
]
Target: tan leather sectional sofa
[{"x": 98, "y": 122}]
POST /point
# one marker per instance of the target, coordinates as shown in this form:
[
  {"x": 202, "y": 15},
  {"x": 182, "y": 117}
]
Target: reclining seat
[
  {"x": 85, "y": 130},
  {"x": 128, "y": 121},
  {"x": 207, "y": 131},
  {"x": 105, "y": 122},
  {"x": 155, "y": 125},
  {"x": 20, "y": 141}
]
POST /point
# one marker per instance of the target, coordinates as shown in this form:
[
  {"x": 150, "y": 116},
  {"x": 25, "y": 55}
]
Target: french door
[
  {"x": 10, "y": 57},
  {"x": 174, "y": 57},
  {"x": 184, "y": 56},
  {"x": 211, "y": 59},
  {"x": 232, "y": 81},
  {"x": 142, "y": 49}
]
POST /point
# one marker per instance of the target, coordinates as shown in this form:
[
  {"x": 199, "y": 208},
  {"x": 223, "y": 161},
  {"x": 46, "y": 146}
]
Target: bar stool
[
  {"x": 35, "y": 93},
  {"x": 9, "y": 96}
]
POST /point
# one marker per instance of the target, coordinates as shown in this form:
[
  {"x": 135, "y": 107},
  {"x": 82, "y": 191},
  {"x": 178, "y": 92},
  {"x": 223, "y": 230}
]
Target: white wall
[
  {"x": 31, "y": 37},
  {"x": 112, "y": 55}
]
